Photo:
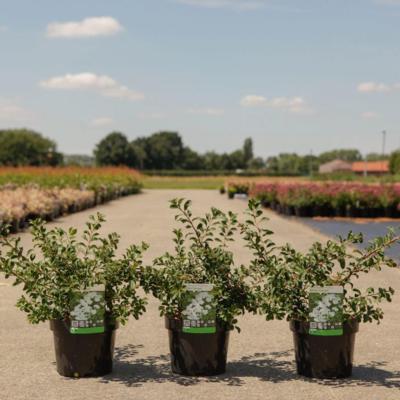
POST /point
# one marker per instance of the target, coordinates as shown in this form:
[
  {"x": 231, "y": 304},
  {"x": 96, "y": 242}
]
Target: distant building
[
  {"x": 371, "y": 167},
  {"x": 335, "y": 166}
]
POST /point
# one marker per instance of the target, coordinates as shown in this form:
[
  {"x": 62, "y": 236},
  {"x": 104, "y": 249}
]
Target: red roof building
[{"x": 371, "y": 167}]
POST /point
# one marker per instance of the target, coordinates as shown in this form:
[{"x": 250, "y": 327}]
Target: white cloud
[
  {"x": 101, "y": 121},
  {"x": 295, "y": 105},
  {"x": 206, "y": 111},
  {"x": 252, "y": 100},
  {"x": 102, "y": 84},
  {"x": 236, "y": 4},
  {"x": 88, "y": 27},
  {"x": 369, "y": 115},
  {"x": 369, "y": 87}
]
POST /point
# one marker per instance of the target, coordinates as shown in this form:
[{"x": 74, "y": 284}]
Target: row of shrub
[
  {"x": 338, "y": 199},
  {"x": 330, "y": 199},
  {"x": 237, "y": 187},
  {"x": 82, "y": 282},
  {"x": 29, "y": 192}
]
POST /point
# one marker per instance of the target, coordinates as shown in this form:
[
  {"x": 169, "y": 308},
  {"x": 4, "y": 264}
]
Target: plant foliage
[
  {"x": 201, "y": 255},
  {"x": 61, "y": 264},
  {"x": 283, "y": 276}
]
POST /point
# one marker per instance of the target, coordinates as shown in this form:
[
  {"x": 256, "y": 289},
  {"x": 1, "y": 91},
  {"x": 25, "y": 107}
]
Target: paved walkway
[{"x": 260, "y": 358}]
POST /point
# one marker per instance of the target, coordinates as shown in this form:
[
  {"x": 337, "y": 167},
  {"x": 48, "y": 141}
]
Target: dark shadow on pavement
[{"x": 274, "y": 367}]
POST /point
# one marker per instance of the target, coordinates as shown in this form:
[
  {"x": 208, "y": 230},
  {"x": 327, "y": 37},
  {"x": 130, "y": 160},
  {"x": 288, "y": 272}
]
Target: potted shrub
[
  {"x": 81, "y": 286},
  {"x": 317, "y": 293},
  {"x": 231, "y": 192},
  {"x": 200, "y": 289},
  {"x": 238, "y": 189}
]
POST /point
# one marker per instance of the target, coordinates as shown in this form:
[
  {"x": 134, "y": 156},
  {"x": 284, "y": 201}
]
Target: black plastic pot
[
  {"x": 87, "y": 355},
  {"x": 389, "y": 211},
  {"x": 340, "y": 211},
  {"x": 323, "y": 210},
  {"x": 353, "y": 212},
  {"x": 303, "y": 211},
  {"x": 288, "y": 210},
  {"x": 197, "y": 354},
  {"x": 324, "y": 357}
]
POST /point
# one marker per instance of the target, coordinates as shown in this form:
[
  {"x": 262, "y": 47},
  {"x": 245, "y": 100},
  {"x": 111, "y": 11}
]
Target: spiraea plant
[
  {"x": 201, "y": 255},
  {"x": 282, "y": 276},
  {"x": 61, "y": 264}
]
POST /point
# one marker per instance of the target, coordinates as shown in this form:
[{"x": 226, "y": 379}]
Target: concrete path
[{"x": 260, "y": 358}]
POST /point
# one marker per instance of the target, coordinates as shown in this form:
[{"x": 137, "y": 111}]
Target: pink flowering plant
[{"x": 340, "y": 199}]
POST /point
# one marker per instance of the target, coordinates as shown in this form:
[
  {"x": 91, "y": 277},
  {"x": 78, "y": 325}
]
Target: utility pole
[
  {"x": 383, "y": 143},
  {"x": 365, "y": 173}
]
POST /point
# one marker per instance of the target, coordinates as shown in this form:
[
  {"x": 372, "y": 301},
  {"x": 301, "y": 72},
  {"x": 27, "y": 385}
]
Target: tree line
[{"x": 166, "y": 151}]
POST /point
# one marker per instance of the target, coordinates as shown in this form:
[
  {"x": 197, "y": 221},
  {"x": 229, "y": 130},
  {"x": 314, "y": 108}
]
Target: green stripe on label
[
  {"x": 207, "y": 329},
  {"x": 87, "y": 331},
  {"x": 326, "y": 332}
]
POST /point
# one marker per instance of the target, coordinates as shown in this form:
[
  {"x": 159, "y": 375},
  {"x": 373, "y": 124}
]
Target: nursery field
[
  {"x": 30, "y": 192},
  {"x": 327, "y": 199},
  {"x": 260, "y": 359}
]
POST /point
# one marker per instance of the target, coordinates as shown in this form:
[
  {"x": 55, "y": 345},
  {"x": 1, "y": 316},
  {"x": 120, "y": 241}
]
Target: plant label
[
  {"x": 88, "y": 309},
  {"x": 326, "y": 311},
  {"x": 199, "y": 309}
]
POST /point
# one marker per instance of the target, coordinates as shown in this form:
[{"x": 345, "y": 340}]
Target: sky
[{"x": 295, "y": 75}]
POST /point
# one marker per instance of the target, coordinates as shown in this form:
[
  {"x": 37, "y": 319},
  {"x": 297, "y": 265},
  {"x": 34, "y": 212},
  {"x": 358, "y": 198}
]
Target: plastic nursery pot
[
  {"x": 86, "y": 355},
  {"x": 324, "y": 357},
  {"x": 303, "y": 211},
  {"x": 288, "y": 210},
  {"x": 197, "y": 354},
  {"x": 322, "y": 211}
]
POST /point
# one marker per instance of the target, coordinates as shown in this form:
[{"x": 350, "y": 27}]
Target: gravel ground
[{"x": 260, "y": 357}]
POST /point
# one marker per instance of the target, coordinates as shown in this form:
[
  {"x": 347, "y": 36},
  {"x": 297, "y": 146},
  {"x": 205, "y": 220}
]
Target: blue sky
[{"x": 299, "y": 76}]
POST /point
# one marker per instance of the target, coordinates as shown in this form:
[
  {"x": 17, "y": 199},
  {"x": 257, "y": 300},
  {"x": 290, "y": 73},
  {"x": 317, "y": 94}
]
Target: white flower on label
[
  {"x": 198, "y": 307},
  {"x": 87, "y": 307},
  {"x": 326, "y": 308}
]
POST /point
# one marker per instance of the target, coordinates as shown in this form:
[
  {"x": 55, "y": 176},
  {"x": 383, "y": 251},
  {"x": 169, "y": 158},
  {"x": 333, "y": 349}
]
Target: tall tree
[
  {"x": 256, "y": 163},
  {"x": 238, "y": 160},
  {"x": 377, "y": 157},
  {"x": 191, "y": 160},
  {"x": 27, "y": 147},
  {"x": 394, "y": 162},
  {"x": 350, "y": 155},
  {"x": 164, "y": 150},
  {"x": 288, "y": 164},
  {"x": 115, "y": 149},
  {"x": 248, "y": 150}
]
